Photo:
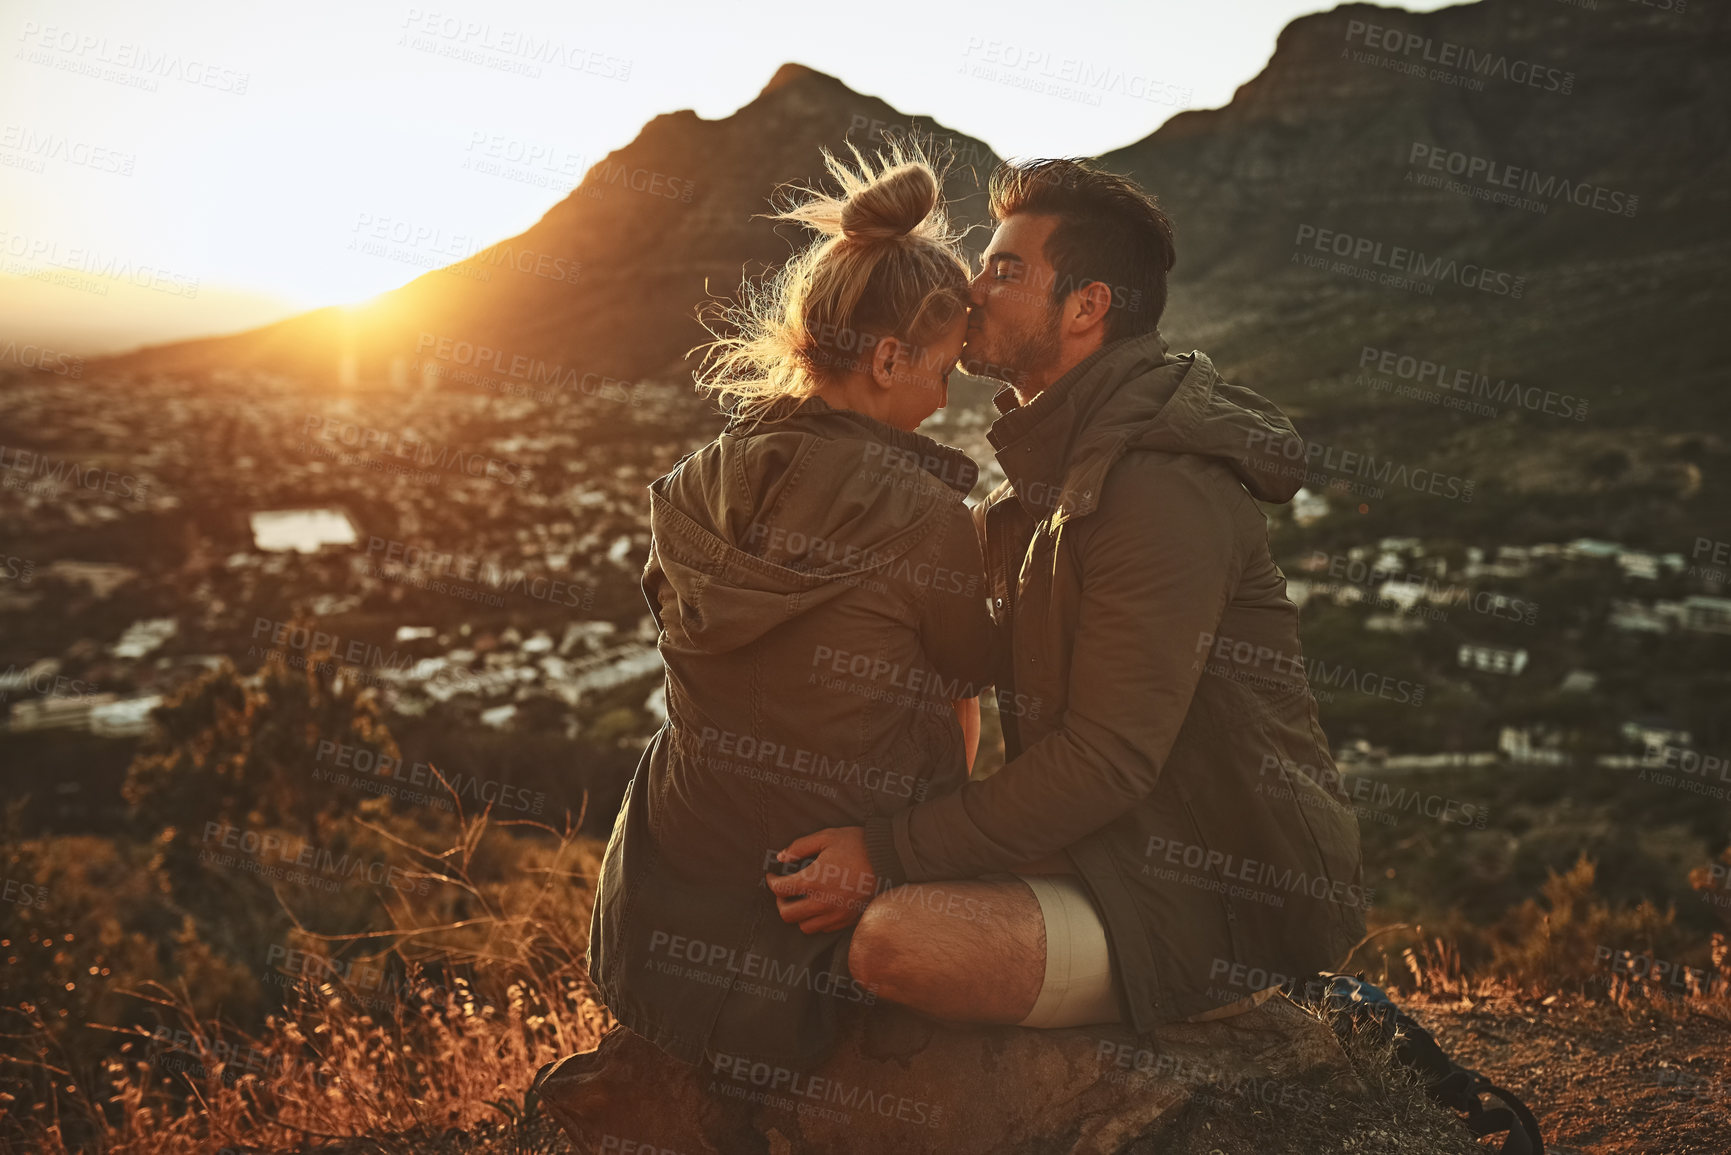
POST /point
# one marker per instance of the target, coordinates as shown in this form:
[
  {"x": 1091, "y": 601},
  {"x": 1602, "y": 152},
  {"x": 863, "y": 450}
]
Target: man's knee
[{"x": 878, "y": 956}]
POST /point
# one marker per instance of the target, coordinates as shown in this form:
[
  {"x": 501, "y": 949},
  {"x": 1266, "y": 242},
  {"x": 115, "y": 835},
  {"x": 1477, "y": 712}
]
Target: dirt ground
[{"x": 1647, "y": 1080}]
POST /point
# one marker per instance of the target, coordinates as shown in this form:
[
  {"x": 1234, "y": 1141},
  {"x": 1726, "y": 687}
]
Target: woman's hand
[{"x": 832, "y": 892}]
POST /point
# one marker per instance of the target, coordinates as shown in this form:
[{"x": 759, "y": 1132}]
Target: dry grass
[
  {"x": 439, "y": 1057},
  {"x": 447, "y": 1045},
  {"x": 1387, "y": 1113},
  {"x": 1569, "y": 944}
]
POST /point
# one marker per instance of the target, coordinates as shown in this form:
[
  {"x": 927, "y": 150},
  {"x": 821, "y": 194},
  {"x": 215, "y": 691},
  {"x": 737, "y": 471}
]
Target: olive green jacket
[
  {"x": 1159, "y": 727},
  {"x": 821, "y": 598}
]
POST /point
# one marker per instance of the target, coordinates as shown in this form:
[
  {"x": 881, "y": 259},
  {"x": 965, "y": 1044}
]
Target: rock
[{"x": 901, "y": 1083}]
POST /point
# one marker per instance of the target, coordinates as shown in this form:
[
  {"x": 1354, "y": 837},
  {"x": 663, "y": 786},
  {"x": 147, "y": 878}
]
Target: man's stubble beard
[{"x": 1029, "y": 354}]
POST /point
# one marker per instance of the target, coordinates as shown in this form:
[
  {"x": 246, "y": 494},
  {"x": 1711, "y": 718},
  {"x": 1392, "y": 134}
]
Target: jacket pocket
[
  {"x": 1332, "y": 828},
  {"x": 1222, "y": 896}
]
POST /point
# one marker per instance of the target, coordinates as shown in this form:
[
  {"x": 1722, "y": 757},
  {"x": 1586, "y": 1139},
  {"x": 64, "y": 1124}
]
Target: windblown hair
[
  {"x": 1108, "y": 230},
  {"x": 885, "y": 264}
]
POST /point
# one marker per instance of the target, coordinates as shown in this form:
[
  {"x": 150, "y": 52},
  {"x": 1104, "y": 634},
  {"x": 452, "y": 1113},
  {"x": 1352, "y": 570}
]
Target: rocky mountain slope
[
  {"x": 1532, "y": 193},
  {"x": 1521, "y": 203},
  {"x": 608, "y": 282}
]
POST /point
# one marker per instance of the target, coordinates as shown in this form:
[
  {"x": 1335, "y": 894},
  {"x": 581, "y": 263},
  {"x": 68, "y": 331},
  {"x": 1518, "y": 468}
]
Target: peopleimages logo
[
  {"x": 417, "y": 243},
  {"x": 1266, "y": 877},
  {"x": 1366, "y": 794},
  {"x": 1389, "y": 584},
  {"x": 41, "y": 251},
  {"x": 405, "y": 446},
  {"x": 25, "y": 893},
  {"x": 1129, "y": 1062},
  {"x": 1320, "y": 464},
  {"x": 960, "y": 153},
  {"x": 370, "y": 765},
  {"x": 273, "y": 856},
  {"x": 53, "y": 473},
  {"x": 40, "y": 147},
  {"x": 1642, "y": 967},
  {"x": 1245, "y": 661},
  {"x": 1039, "y": 70},
  {"x": 41, "y": 359},
  {"x": 729, "y": 747},
  {"x": 1511, "y": 179},
  {"x": 505, "y": 48},
  {"x": 436, "y": 570},
  {"x": 42, "y": 681},
  {"x": 91, "y": 52},
  {"x": 1399, "y": 259},
  {"x": 1459, "y": 60},
  {"x": 793, "y": 1090},
  {"x": 485, "y": 359},
  {"x": 719, "y": 961},
  {"x": 1424, "y": 375}
]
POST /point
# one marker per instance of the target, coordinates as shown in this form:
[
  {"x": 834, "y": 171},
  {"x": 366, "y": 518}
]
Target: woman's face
[{"x": 917, "y": 384}]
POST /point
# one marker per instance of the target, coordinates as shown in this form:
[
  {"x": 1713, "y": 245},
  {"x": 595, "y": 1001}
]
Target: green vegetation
[{"x": 299, "y": 961}]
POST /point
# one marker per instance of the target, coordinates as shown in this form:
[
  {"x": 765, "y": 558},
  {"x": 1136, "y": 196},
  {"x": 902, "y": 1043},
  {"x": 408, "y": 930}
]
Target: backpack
[{"x": 1349, "y": 1002}]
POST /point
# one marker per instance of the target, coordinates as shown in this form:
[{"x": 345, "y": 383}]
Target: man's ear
[
  {"x": 886, "y": 355},
  {"x": 1089, "y": 307}
]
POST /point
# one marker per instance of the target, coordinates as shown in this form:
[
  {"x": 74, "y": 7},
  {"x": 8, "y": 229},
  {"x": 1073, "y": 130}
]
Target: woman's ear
[{"x": 886, "y": 356}]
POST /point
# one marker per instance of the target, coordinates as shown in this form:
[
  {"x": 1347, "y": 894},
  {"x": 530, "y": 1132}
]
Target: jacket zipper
[{"x": 1008, "y": 722}]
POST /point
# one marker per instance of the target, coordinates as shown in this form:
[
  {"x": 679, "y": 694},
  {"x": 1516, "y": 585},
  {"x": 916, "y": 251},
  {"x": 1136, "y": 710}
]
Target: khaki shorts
[{"x": 1080, "y": 987}]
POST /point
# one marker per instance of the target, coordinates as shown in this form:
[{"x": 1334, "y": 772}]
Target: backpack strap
[
  {"x": 1349, "y": 1003},
  {"x": 1462, "y": 1090}
]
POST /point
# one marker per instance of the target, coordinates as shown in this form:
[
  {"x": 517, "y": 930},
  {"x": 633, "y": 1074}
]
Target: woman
[{"x": 818, "y": 584}]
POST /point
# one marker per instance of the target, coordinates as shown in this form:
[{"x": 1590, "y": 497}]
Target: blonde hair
[{"x": 886, "y": 265}]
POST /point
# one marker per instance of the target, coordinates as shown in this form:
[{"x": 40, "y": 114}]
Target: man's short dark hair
[{"x": 1108, "y": 230}]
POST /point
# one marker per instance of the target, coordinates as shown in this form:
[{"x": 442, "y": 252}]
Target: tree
[{"x": 257, "y": 751}]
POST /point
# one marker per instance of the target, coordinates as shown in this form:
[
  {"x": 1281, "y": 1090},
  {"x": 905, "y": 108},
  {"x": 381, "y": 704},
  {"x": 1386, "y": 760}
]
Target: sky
[{"x": 185, "y": 167}]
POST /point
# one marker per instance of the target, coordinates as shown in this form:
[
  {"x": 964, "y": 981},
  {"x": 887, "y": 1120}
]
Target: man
[{"x": 1168, "y": 838}]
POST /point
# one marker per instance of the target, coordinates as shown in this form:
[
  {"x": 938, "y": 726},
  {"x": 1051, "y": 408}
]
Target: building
[
  {"x": 1308, "y": 507},
  {"x": 1517, "y": 745},
  {"x": 1638, "y": 617},
  {"x": 1492, "y": 660},
  {"x": 1705, "y": 615}
]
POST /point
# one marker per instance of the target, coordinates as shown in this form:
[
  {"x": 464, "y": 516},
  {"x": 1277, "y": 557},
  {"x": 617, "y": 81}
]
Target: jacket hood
[
  {"x": 778, "y": 516},
  {"x": 1134, "y": 395}
]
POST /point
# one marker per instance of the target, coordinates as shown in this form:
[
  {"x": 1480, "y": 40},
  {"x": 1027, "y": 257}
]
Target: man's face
[{"x": 1013, "y": 325}]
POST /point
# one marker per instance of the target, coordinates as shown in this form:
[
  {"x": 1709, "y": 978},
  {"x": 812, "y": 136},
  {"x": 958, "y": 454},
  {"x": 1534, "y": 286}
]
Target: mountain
[
  {"x": 1549, "y": 182},
  {"x": 1616, "y": 148},
  {"x": 1485, "y": 241},
  {"x": 609, "y": 279}
]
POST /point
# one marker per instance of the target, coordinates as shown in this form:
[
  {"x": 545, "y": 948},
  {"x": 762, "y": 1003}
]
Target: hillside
[
  {"x": 1549, "y": 196},
  {"x": 609, "y": 280},
  {"x": 1591, "y": 324}
]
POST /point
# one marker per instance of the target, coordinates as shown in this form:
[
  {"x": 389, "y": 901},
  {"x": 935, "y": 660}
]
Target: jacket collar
[
  {"x": 816, "y": 416},
  {"x": 1034, "y": 442}
]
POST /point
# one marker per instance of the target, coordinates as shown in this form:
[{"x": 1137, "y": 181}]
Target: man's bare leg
[{"x": 965, "y": 952}]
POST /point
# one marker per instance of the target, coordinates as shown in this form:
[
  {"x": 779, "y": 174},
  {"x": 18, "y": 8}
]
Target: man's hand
[{"x": 832, "y": 892}]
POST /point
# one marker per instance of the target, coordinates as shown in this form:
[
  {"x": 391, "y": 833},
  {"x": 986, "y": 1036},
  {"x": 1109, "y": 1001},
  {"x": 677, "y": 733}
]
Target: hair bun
[{"x": 893, "y": 205}]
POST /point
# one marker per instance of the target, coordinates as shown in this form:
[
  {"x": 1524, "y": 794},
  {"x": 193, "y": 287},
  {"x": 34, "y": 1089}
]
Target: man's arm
[{"x": 1159, "y": 561}]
